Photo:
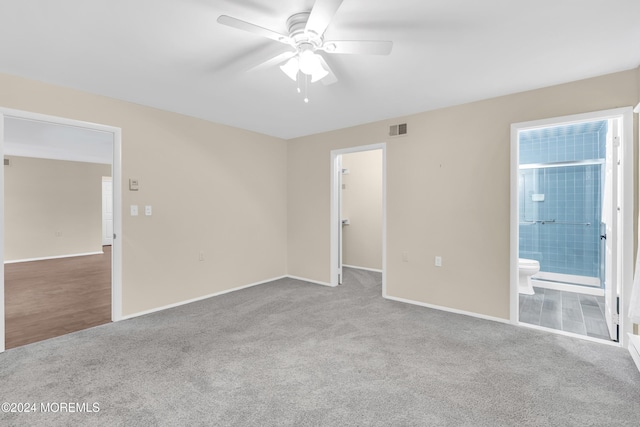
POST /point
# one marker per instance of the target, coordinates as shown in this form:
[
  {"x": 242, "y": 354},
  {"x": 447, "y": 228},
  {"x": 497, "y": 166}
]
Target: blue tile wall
[
  {"x": 602, "y": 141},
  {"x": 572, "y": 198},
  {"x": 563, "y": 143}
]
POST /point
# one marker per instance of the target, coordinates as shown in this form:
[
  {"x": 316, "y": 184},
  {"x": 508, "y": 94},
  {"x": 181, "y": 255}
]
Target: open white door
[
  {"x": 339, "y": 178},
  {"x": 610, "y": 216},
  {"x": 107, "y": 211},
  {"x": 2, "y": 233}
]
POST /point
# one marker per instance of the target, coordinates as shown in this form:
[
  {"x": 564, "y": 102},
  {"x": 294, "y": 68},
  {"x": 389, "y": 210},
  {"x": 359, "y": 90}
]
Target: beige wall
[
  {"x": 258, "y": 207},
  {"x": 447, "y": 192},
  {"x": 213, "y": 188},
  {"x": 52, "y": 207},
  {"x": 362, "y": 205}
]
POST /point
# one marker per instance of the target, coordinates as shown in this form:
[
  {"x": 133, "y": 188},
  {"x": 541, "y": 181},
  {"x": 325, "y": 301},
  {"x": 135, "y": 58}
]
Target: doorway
[
  {"x": 571, "y": 202},
  {"x": 349, "y": 217},
  {"x": 61, "y": 134}
]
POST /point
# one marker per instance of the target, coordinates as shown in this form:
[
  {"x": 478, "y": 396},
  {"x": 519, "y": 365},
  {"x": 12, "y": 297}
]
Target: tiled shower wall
[{"x": 562, "y": 231}]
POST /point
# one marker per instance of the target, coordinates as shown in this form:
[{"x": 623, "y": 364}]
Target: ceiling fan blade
[
  {"x": 365, "y": 47},
  {"x": 273, "y": 61},
  {"x": 321, "y": 14},
  {"x": 252, "y": 28},
  {"x": 330, "y": 78}
]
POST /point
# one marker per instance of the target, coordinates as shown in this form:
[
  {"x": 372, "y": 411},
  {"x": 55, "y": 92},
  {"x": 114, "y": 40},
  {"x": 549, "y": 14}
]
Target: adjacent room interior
[{"x": 58, "y": 208}]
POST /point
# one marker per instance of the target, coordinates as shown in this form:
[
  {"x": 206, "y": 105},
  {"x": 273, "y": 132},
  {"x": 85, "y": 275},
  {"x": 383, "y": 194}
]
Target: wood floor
[{"x": 46, "y": 299}]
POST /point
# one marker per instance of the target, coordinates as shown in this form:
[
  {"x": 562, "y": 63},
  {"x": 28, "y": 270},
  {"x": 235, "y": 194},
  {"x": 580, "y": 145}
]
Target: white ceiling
[{"x": 173, "y": 54}]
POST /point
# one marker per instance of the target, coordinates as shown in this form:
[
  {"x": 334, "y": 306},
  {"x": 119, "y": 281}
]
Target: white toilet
[{"x": 526, "y": 269}]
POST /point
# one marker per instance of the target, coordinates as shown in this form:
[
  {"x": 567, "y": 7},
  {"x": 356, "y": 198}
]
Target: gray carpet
[{"x": 293, "y": 353}]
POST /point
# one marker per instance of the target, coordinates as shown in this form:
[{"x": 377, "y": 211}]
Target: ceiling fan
[{"x": 306, "y": 41}]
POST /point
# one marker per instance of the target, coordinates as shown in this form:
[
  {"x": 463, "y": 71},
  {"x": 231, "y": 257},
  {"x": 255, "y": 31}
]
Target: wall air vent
[
  {"x": 7, "y": 162},
  {"x": 398, "y": 130}
]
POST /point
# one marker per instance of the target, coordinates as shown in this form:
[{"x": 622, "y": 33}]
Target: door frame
[
  {"x": 613, "y": 249},
  {"x": 336, "y": 224},
  {"x": 626, "y": 203},
  {"x": 116, "y": 173},
  {"x": 108, "y": 242}
]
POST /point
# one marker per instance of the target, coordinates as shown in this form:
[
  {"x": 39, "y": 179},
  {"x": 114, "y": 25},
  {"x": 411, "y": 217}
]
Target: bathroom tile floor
[{"x": 566, "y": 311}]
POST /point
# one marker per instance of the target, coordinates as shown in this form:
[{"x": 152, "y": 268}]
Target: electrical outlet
[
  {"x": 405, "y": 256},
  {"x": 201, "y": 256},
  {"x": 438, "y": 261}
]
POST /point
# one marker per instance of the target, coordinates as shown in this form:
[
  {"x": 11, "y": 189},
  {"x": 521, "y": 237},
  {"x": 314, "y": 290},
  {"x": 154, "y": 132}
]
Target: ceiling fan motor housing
[{"x": 301, "y": 38}]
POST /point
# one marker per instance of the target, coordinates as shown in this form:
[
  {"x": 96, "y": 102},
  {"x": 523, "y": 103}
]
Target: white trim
[
  {"x": 315, "y": 282},
  {"x": 15, "y": 261},
  {"x": 634, "y": 349},
  {"x": 335, "y": 215},
  {"x": 2, "y": 325},
  {"x": 447, "y": 309},
  {"x": 116, "y": 246},
  {"x": 106, "y": 241},
  {"x": 375, "y": 270},
  {"x": 189, "y": 301},
  {"x": 514, "y": 227},
  {"x": 116, "y": 171},
  {"x": 570, "y": 334},
  {"x": 626, "y": 203},
  {"x": 599, "y": 292}
]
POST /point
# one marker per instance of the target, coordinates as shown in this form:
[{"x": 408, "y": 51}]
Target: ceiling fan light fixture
[
  {"x": 309, "y": 62},
  {"x": 306, "y": 36},
  {"x": 291, "y": 67},
  {"x": 319, "y": 74}
]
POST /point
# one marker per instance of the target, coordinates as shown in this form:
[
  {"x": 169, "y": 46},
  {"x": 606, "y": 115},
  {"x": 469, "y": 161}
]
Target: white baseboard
[
  {"x": 315, "y": 282},
  {"x": 375, "y": 270},
  {"x": 634, "y": 349},
  {"x": 189, "y": 301},
  {"x": 568, "y": 288},
  {"x": 450, "y": 310},
  {"x": 53, "y": 257}
]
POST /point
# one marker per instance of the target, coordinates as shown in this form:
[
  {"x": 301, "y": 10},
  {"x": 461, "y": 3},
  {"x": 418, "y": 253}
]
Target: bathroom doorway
[
  {"x": 572, "y": 186},
  {"x": 358, "y": 214}
]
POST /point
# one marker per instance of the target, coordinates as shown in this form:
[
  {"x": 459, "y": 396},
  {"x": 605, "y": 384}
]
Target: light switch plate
[
  {"x": 134, "y": 210},
  {"x": 147, "y": 210},
  {"x": 133, "y": 184}
]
